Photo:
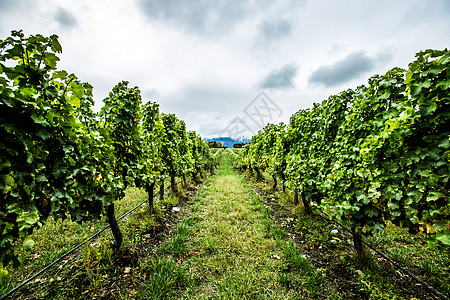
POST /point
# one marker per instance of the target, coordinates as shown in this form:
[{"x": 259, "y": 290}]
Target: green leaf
[
  {"x": 363, "y": 198},
  {"x": 370, "y": 212},
  {"x": 51, "y": 60},
  {"x": 41, "y": 178},
  {"x": 55, "y": 45},
  {"x": 429, "y": 108},
  {"x": 51, "y": 92},
  {"x": 38, "y": 119},
  {"x": 129, "y": 179},
  {"x": 440, "y": 225},
  {"x": 444, "y": 143},
  {"x": 28, "y": 243},
  {"x": 393, "y": 205},
  {"x": 77, "y": 89},
  {"x": 60, "y": 74},
  {"x": 444, "y": 237},
  {"x": 43, "y": 134},
  {"x": 29, "y": 217},
  {"x": 72, "y": 162},
  {"x": 3, "y": 273},
  {"x": 74, "y": 101},
  {"x": 8, "y": 179},
  {"x": 444, "y": 85},
  {"x": 8, "y": 182},
  {"x": 377, "y": 228},
  {"x": 432, "y": 241},
  {"x": 433, "y": 196},
  {"x": 28, "y": 91}
]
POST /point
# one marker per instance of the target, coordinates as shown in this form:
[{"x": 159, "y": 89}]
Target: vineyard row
[
  {"x": 376, "y": 154},
  {"x": 58, "y": 157}
]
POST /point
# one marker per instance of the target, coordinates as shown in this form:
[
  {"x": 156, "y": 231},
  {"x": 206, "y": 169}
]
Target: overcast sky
[{"x": 232, "y": 65}]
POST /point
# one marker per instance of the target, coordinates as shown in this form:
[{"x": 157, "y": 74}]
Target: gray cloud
[
  {"x": 203, "y": 16},
  {"x": 5, "y": 4},
  {"x": 65, "y": 18},
  {"x": 351, "y": 67},
  {"x": 10, "y": 12},
  {"x": 281, "y": 78},
  {"x": 275, "y": 29}
]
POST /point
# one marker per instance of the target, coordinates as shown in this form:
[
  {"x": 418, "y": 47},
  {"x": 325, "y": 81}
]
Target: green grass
[
  {"x": 162, "y": 279},
  {"x": 227, "y": 245},
  {"x": 431, "y": 263},
  {"x": 378, "y": 282},
  {"x": 241, "y": 248},
  {"x": 58, "y": 236},
  {"x": 178, "y": 244}
]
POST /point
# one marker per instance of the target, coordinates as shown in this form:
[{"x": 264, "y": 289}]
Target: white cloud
[{"x": 205, "y": 61}]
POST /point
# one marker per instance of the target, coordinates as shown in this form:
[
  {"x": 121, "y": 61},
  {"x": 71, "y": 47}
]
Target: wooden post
[
  {"x": 361, "y": 250},
  {"x": 296, "y": 197},
  {"x": 150, "y": 188},
  {"x": 306, "y": 204},
  {"x": 275, "y": 183},
  {"x": 112, "y": 221},
  {"x": 161, "y": 192},
  {"x": 172, "y": 182}
]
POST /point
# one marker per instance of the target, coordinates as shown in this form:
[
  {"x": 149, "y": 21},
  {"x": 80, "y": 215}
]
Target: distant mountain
[{"x": 227, "y": 141}]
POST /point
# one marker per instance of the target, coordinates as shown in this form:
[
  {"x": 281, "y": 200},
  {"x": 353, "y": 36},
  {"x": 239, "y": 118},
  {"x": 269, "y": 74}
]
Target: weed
[
  {"x": 178, "y": 245},
  {"x": 240, "y": 285},
  {"x": 273, "y": 231},
  {"x": 163, "y": 278},
  {"x": 296, "y": 260},
  {"x": 171, "y": 200},
  {"x": 210, "y": 244}
]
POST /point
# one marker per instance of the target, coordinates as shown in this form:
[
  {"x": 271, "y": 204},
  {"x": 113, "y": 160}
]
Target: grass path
[
  {"x": 232, "y": 245},
  {"x": 241, "y": 254},
  {"x": 238, "y": 260},
  {"x": 221, "y": 241}
]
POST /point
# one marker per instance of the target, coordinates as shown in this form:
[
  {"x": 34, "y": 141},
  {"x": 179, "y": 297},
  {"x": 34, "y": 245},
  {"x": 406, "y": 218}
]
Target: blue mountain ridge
[{"x": 227, "y": 141}]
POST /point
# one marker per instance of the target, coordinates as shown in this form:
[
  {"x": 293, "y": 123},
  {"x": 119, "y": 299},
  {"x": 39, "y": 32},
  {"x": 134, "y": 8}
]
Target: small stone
[
  {"x": 175, "y": 209},
  {"x": 334, "y": 232}
]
